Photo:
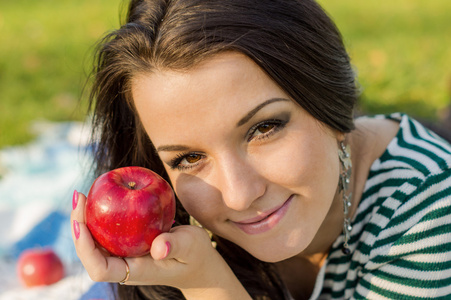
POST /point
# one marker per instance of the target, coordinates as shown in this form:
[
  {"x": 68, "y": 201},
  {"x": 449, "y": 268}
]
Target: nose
[{"x": 240, "y": 182}]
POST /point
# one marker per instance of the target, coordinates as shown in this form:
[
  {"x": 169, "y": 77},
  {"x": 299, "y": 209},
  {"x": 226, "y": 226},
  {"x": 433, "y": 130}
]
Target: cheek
[
  {"x": 197, "y": 197},
  {"x": 311, "y": 163}
]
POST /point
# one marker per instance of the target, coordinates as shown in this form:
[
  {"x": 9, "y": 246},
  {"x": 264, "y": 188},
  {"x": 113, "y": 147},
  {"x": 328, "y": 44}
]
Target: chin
[
  {"x": 274, "y": 255},
  {"x": 273, "y": 258},
  {"x": 277, "y": 251}
]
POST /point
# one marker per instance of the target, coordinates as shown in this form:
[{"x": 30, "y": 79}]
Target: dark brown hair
[{"x": 293, "y": 41}]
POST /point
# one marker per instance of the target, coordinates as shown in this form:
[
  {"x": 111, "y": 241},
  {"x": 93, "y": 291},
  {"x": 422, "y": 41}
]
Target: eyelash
[
  {"x": 175, "y": 162},
  {"x": 279, "y": 124}
]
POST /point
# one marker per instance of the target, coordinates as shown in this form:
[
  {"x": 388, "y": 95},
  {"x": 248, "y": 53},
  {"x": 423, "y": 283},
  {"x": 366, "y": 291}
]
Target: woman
[{"x": 246, "y": 108}]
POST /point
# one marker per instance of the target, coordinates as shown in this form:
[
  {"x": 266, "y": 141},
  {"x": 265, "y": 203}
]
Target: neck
[
  {"x": 329, "y": 231},
  {"x": 299, "y": 274}
]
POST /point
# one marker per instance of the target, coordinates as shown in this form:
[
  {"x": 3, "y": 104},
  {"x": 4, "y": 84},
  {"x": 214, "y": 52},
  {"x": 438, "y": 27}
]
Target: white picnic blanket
[{"x": 37, "y": 181}]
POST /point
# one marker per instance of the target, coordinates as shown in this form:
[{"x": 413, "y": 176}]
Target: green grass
[
  {"x": 44, "y": 60},
  {"x": 399, "y": 48},
  {"x": 401, "y": 51}
]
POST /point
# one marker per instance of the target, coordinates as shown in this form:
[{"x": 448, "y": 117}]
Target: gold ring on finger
[{"x": 127, "y": 274}]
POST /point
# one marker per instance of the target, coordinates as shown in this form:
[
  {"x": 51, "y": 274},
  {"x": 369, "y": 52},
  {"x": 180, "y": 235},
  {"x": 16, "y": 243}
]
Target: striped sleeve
[
  {"x": 411, "y": 254},
  {"x": 411, "y": 258},
  {"x": 401, "y": 233}
]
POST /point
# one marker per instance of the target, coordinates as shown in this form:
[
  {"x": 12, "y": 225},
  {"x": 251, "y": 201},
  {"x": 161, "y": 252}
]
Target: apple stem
[{"x": 132, "y": 185}]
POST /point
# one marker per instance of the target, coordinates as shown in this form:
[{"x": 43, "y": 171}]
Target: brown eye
[
  {"x": 185, "y": 161},
  {"x": 264, "y": 128},
  {"x": 192, "y": 158}
]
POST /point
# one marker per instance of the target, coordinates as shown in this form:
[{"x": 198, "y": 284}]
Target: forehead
[{"x": 218, "y": 91}]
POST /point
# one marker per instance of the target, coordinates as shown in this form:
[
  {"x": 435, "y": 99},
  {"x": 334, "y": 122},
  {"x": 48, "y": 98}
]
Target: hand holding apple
[
  {"x": 37, "y": 267},
  {"x": 183, "y": 258},
  {"x": 127, "y": 208}
]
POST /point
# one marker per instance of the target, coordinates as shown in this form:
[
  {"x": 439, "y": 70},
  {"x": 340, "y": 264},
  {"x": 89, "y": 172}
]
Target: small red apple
[
  {"x": 39, "y": 267},
  {"x": 127, "y": 208}
]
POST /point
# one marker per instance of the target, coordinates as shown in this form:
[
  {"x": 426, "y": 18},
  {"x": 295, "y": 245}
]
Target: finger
[
  {"x": 175, "y": 258},
  {"x": 77, "y": 214},
  {"x": 98, "y": 263},
  {"x": 79, "y": 202},
  {"x": 187, "y": 261},
  {"x": 145, "y": 270},
  {"x": 161, "y": 247},
  {"x": 183, "y": 243}
]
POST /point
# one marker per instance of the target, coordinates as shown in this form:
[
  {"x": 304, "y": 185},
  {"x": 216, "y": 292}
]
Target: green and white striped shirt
[{"x": 401, "y": 232}]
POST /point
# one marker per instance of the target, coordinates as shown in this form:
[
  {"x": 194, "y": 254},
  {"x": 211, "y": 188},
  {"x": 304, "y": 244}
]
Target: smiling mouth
[{"x": 266, "y": 221}]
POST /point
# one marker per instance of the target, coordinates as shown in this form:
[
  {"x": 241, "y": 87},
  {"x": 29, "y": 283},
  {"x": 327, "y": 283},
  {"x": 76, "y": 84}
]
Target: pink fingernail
[
  {"x": 168, "y": 249},
  {"x": 75, "y": 199},
  {"x": 76, "y": 229}
]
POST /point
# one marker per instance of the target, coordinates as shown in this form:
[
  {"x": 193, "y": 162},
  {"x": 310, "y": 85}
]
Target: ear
[{"x": 341, "y": 137}]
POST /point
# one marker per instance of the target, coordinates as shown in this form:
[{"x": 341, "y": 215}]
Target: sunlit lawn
[
  {"x": 399, "y": 48},
  {"x": 44, "y": 58}
]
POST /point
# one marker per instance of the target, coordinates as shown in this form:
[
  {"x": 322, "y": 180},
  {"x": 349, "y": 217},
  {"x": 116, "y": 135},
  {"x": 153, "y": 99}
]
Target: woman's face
[{"x": 244, "y": 159}]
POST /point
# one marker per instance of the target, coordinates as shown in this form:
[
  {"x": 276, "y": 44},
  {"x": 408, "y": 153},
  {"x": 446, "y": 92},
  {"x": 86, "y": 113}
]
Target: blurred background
[
  {"x": 45, "y": 58},
  {"x": 400, "y": 50}
]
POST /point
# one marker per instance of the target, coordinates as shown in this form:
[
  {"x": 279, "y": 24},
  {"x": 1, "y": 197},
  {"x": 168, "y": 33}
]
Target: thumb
[
  {"x": 161, "y": 247},
  {"x": 183, "y": 243}
]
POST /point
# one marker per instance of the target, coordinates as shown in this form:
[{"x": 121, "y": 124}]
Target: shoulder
[
  {"x": 408, "y": 186},
  {"x": 414, "y": 147},
  {"x": 405, "y": 249},
  {"x": 368, "y": 142},
  {"x": 414, "y": 216},
  {"x": 401, "y": 232},
  {"x": 373, "y": 134}
]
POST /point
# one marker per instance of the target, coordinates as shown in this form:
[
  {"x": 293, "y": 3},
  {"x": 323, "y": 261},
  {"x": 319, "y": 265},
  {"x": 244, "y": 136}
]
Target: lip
[{"x": 265, "y": 221}]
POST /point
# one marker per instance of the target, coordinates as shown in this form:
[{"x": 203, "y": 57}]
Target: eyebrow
[
  {"x": 251, "y": 113},
  {"x": 172, "y": 148},
  {"x": 241, "y": 122}
]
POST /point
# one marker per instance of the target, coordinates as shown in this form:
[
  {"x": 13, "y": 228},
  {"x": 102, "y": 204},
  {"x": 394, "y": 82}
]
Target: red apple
[
  {"x": 127, "y": 208},
  {"x": 39, "y": 267}
]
